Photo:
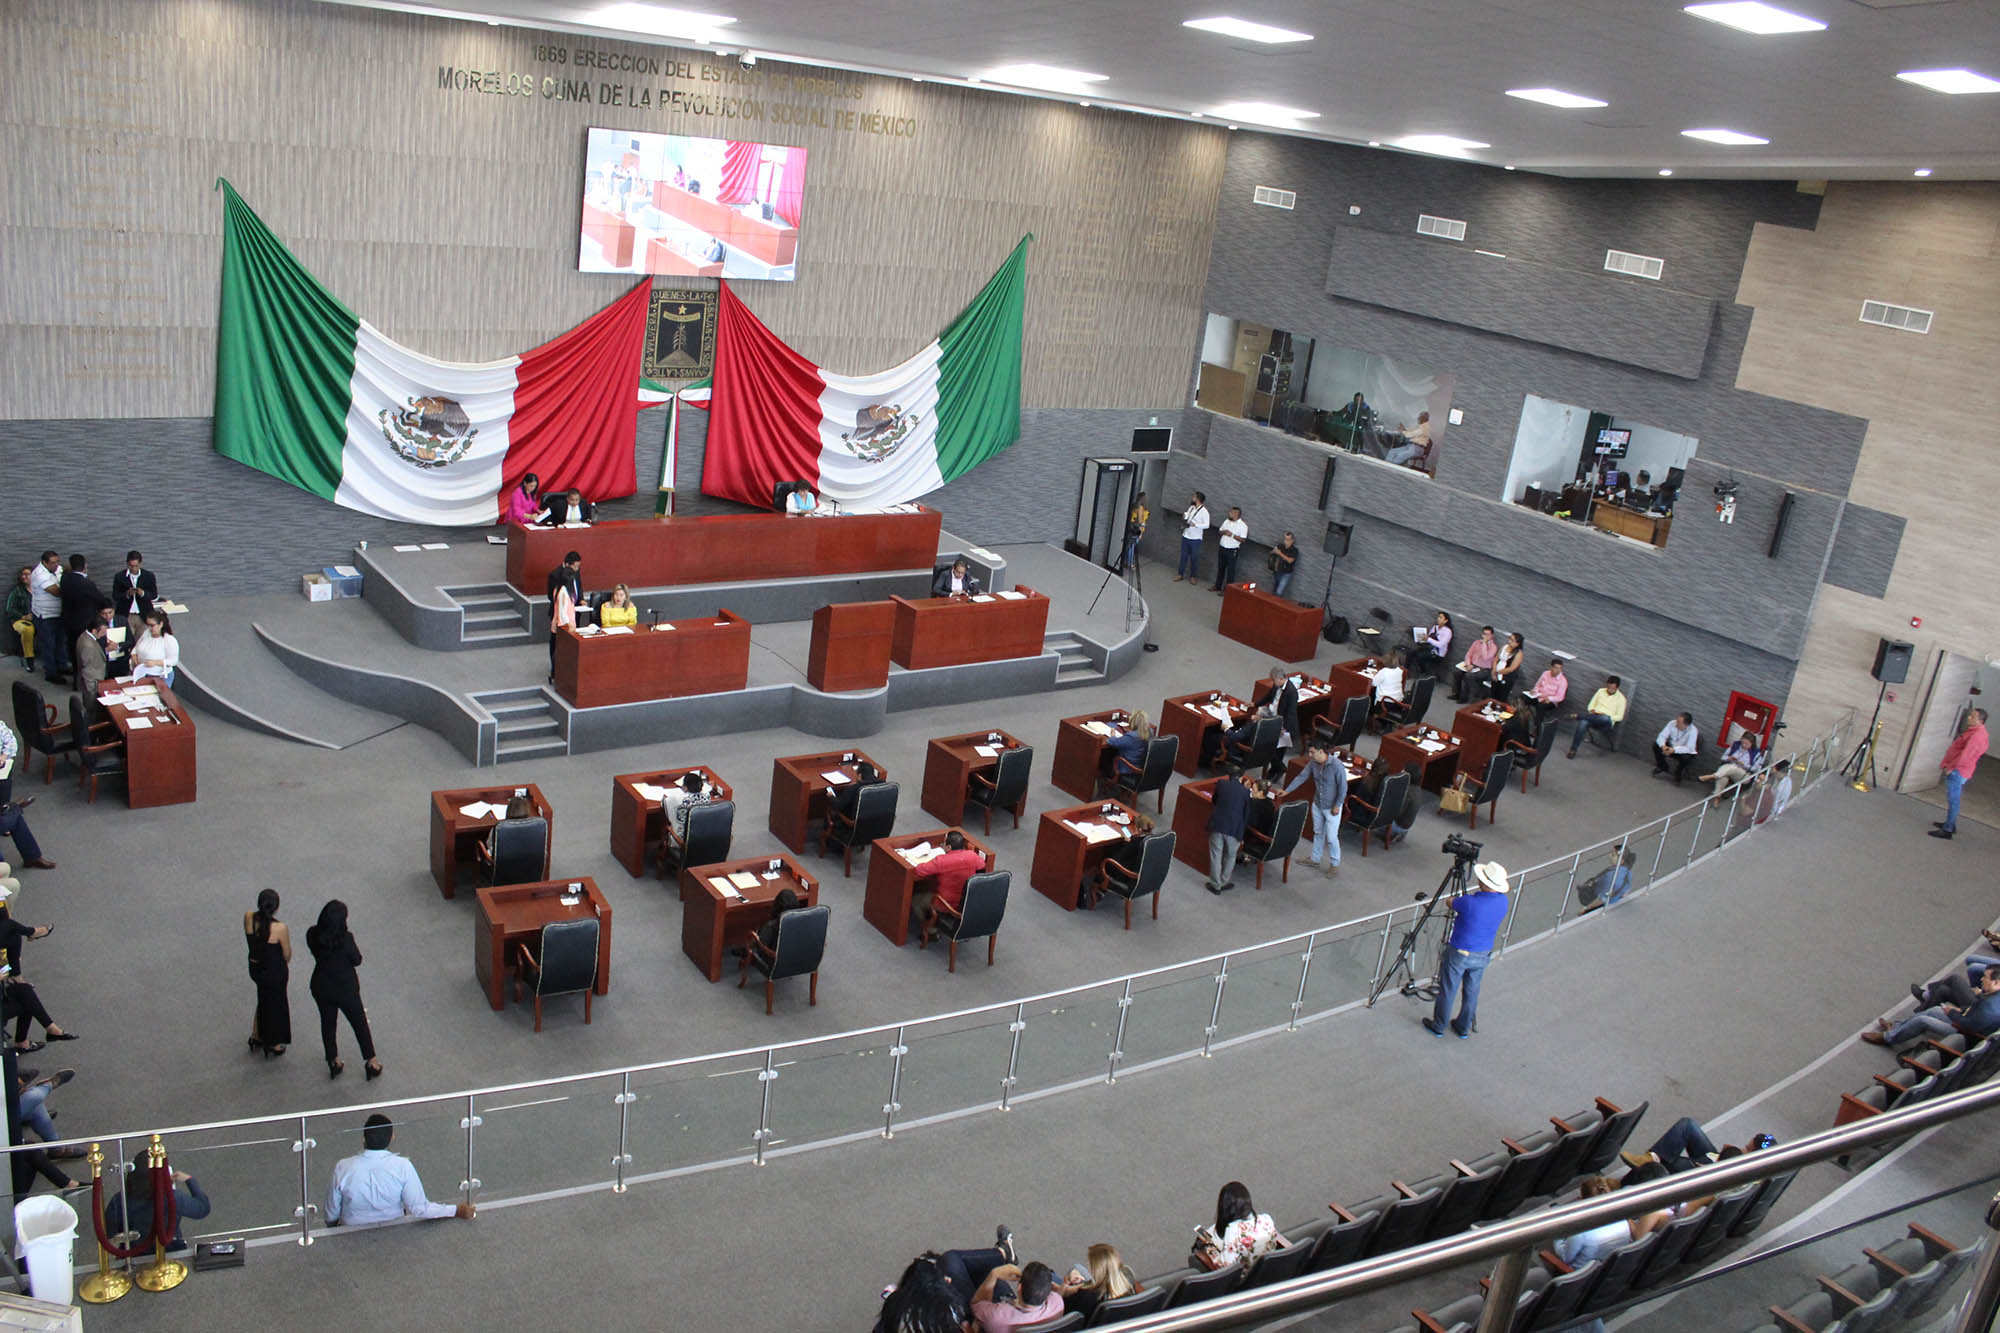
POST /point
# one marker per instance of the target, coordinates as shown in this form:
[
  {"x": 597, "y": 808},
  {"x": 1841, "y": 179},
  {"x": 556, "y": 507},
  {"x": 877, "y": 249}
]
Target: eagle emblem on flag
[
  {"x": 429, "y": 433},
  {"x": 879, "y": 430}
]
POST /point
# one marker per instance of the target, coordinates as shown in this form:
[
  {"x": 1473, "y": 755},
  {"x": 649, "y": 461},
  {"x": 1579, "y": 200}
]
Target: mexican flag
[
  {"x": 864, "y": 441},
  {"x": 312, "y": 394}
]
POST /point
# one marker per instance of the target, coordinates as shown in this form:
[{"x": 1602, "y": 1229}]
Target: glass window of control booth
[
  {"x": 1361, "y": 401},
  {"x": 1620, "y": 476}
]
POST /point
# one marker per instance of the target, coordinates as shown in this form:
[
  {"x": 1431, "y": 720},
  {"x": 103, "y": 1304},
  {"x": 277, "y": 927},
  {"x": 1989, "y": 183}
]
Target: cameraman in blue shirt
[{"x": 1476, "y": 921}]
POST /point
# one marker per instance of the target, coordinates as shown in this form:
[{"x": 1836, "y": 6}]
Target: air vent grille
[
  {"x": 1274, "y": 198},
  {"x": 1449, "y": 229},
  {"x": 1637, "y": 266},
  {"x": 1907, "y": 318}
]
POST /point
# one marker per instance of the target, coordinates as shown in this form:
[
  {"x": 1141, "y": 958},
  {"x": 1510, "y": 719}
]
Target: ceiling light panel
[
  {"x": 1728, "y": 138},
  {"x": 1050, "y": 78},
  {"x": 1759, "y": 19},
  {"x": 1555, "y": 97},
  {"x": 1225, "y": 26},
  {"x": 1264, "y": 113},
  {"x": 659, "y": 21},
  {"x": 1954, "y": 81},
  {"x": 1449, "y": 144}
]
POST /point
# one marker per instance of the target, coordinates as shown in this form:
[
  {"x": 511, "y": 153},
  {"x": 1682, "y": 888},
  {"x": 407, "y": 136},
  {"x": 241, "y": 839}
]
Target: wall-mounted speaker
[
  {"x": 1326, "y": 483},
  {"x": 1338, "y": 537},
  {"x": 1892, "y": 661},
  {"x": 1784, "y": 521}
]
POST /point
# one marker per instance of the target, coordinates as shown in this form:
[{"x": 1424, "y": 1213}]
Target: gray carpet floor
[{"x": 1699, "y": 997}]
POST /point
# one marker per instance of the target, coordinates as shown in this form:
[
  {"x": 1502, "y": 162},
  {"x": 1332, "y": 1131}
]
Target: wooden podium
[
  {"x": 1282, "y": 628},
  {"x": 850, "y": 646}
]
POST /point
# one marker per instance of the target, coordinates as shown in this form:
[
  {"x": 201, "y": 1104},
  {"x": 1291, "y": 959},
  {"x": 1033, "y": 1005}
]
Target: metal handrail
[
  {"x": 898, "y": 1030},
  {"x": 1522, "y": 1235}
]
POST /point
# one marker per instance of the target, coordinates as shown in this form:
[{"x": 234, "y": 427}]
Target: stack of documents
[
  {"x": 922, "y": 853},
  {"x": 724, "y": 887},
  {"x": 982, "y": 597},
  {"x": 1096, "y": 728},
  {"x": 1093, "y": 833},
  {"x": 648, "y": 792},
  {"x": 836, "y": 778},
  {"x": 1009, "y": 595},
  {"x": 985, "y": 751},
  {"x": 617, "y": 629},
  {"x": 1430, "y": 747},
  {"x": 482, "y": 810},
  {"x": 1220, "y": 712}
]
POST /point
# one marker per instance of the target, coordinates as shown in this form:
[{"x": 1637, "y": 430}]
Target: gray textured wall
[{"x": 1864, "y": 550}]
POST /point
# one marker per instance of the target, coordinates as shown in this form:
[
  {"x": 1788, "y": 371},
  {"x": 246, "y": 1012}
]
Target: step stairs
[
  {"x": 1073, "y": 666},
  {"x": 530, "y": 727},
  {"x": 494, "y": 615}
]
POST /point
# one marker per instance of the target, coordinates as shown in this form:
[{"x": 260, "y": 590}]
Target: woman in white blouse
[
  {"x": 1241, "y": 1233},
  {"x": 158, "y": 652}
]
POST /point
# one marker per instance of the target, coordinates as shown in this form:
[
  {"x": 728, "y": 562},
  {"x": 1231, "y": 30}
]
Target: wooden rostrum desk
[
  {"x": 159, "y": 744},
  {"x": 707, "y": 655},
  {"x": 511, "y": 914},
  {"x": 636, "y": 821},
  {"x": 1268, "y": 623},
  {"x": 954, "y": 631}
]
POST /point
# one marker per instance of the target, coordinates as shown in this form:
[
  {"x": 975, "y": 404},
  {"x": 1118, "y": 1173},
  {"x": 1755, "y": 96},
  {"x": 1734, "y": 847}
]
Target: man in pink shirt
[
  {"x": 1967, "y": 748},
  {"x": 1549, "y": 692}
]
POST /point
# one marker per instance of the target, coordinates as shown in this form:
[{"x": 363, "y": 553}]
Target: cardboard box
[
  {"x": 317, "y": 588},
  {"x": 346, "y": 581}
]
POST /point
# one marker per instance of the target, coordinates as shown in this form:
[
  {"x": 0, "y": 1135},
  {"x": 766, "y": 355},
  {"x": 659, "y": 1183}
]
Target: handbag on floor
[{"x": 1455, "y": 799}]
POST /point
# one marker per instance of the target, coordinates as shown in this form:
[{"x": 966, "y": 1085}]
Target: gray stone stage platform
[{"x": 334, "y": 673}]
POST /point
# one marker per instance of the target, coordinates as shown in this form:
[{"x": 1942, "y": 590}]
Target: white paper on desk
[
  {"x": 575, "y": 525},
  {"x": 411, "y": 547},
  {"x": 588, "y": 631},
  {"x": 481, "y": 810},
  {"x": 1430, "y": 747},
  {"x": 138, "y": 723},
  {"x": 138, "y": 689},
  {"x": 349, "y": 571},
  {"x": 1009, "y": 595},
  {"x": 1099, "y": 832},
  {"x": 921, "y": 853},
  {"x": 138, "y": 701},
  {"x": 617, "y": 629},
  {"x": 492, "y": 540},
  {"x": 1218, "y": 712},
  {"x": 985, "y": 751},
  {"x": 437, "y": 546},
  {"x": 723, "y": 887},
  {"x": 836, "y": 778},
  {"x": 984, "y": 554},
  {"x": 648, "y": 792},
  {"x": 743, "y": 879},
  {"x": 1099, "y": 729},
  {"x": 115, "y": 697},
  {"x": 666, "y": 624},
  {"x": 982, "y": 597}
]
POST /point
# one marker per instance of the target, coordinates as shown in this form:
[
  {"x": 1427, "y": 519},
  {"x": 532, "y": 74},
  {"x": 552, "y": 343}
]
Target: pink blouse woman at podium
[{"x": 524, "y": 501}]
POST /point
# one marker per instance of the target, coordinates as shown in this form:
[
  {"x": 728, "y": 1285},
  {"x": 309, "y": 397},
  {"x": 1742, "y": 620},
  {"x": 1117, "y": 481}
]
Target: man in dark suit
[
  {"x": 82, "y": 600},
  {"x": 844, "y": 801},
  {"x": 133, "y": 592},
  {"x": 568, "y": 507},
  {"x": 569, "y": 575},
  {"x": 954, "y": 581},
  {"x": 1227, "y": 821},
  {"x": 1283, "y": 696},
  {"x": 93, "y": 658}
]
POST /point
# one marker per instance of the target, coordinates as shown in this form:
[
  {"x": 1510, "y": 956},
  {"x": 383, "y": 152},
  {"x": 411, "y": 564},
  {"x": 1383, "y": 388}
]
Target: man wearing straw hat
[{"x": 1476, "y": 920}]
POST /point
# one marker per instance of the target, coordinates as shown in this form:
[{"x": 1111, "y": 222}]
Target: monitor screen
[
  {"x": 1613, "y": 479},
  {"x": 1613, "y": 443},
  {"x": 712, "y": 208},
  {"x": 1152, "y": 439}
]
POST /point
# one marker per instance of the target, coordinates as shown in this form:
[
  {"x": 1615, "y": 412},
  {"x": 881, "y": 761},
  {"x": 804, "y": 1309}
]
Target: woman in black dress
[
  {"x": 270, "y": 942},
  {"x": 335, "y": 988}
]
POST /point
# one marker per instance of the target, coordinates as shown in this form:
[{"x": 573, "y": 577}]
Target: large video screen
[{"x": 711, "y": 208}]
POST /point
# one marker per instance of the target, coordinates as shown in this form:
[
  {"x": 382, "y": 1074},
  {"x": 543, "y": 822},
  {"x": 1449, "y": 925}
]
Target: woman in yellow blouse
[{"x": 619, "y": 610}]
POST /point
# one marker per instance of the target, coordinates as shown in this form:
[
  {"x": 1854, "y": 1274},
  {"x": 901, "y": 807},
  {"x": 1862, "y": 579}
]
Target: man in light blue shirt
[
  {"x": 376, "y": 1185},
  {"x": 1329, "y": 778},
  {"x": 1609, "y": 885}
]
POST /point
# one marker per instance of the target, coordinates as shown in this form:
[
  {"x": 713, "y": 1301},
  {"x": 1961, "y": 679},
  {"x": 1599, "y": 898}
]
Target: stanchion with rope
[
  {"x": 165, "y": 1274},
  {"x": 107, "y": 1284}
]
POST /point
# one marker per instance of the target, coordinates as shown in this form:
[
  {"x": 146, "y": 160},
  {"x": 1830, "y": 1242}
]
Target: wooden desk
[
  {"x": 1079, "y": 758},
  {"x": 672, "y": 552},
  {"x": 1350, "y": 679},
  {"x": 892, "y": 880},
  {"x": 1478, "y": 734},
  {"x": 636, "y": 821},
  {"x": 799, "y": 792},
  {"x": 1357, "y": 769},
  {"x": 1400, "y": 748},
  {"x": 1637, "y": 524},
  {"x": 1192, "y": 808},
  {"x": 160, "y": 754},
  {"x": 850, "y": 646},
  {"x": 1268, "y": 623},
  {"x": 774, "y": 242},
  {"x": 1316, "y": 700},
  {"x": 515, "y": 913},
  {"x": 952, "y": 631},
  {"x": 1187, "y": 717},
  {"x": 709, "y": 655},
  {"x": 712, "y": 924},
  {"x": 453, "y": 835},
  {"x": 1064, "y": 857},
  {"x": 950, "y": 762}
]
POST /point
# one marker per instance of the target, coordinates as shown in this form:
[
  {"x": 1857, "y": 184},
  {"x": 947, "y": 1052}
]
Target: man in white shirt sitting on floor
[{"x": 376, "y": 1185}]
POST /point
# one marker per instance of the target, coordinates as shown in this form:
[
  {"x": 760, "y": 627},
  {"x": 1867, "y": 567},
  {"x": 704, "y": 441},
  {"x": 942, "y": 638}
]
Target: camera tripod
[
  {"x": 1456, "y": 881},
  {"x": 1860, "y": 765}
]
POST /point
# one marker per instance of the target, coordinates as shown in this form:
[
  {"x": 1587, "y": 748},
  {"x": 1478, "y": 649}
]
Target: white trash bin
[{"x": 46, "y": 1229}]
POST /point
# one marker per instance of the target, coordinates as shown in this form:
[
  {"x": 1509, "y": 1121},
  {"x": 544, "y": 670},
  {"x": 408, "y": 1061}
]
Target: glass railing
[{"x": 265, "y": 1176}]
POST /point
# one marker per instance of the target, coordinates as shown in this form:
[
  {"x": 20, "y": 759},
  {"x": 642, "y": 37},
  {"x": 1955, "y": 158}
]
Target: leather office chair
[
  {"x": 518, "y": 852},
  {"x": 1262, "y": 747},
  {"x": 985, "y": 903},
  {"x": 1377, "y": 818},
  {"x": 35, "y": 721},
  {"x": 801, "y": 947},
  {"x": 710, "y": 826},
  {"x": 1006, "y": 788},
  {"x": 106, "y": 759},
  {"x": 562, "y": 961},
  {"x": 1156, "y": 857},
  {"x": 1278, "y": 845},
  {"x": 1416, "y": 702},
  {"x": 1353, "y": 720},
  {"x": 1156, "y": 770},
  {"x": 1530, "y": 761},
  {"x": 874, "y": 817},
  {"x": 1486, "y": 788}
]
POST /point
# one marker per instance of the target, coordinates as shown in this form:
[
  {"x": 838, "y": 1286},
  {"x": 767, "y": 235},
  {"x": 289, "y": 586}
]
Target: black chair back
[
  {"x": 874, "y": 815},
  {"x": 1517, "y": 1180},
  {"x": 984, "y": 905},
  {"x": 1158, "y": 769},
  {"x": 1671, "y": 1248},
  {"x": 1278, "y": 1265},
  {"x": 1395, "y": 788},
  {"x": 1753, "y": 1215},
  {"x": 519, "y": 850},
  {"x": 1263, "y": 747},
  {"x": 1617, "y": 1128},
  {"x": 1152, "y": 1299},
  {"x": 568, "y": 957},
  {"x": 1464, "y": 1203},
  {"x": 31, "y": 721},
  {"x": 1403, "y": 1222},
  {"x": 1201, "y": 1286},
  {"x": 710, "y": 827},
  {"x": 1156, "y": 858},
  {"x": 1284, "y": 834},
  {"x": 1560, "y": 1167},
  {"x": 1418, "y": 701},
  {"x": 1621, "y": 1269},
  {"x": 1499, "y": 767},
  {"x": 1066, "y": 1322},
  {"x": 1344, "y": 1242},
  {"x": 1010, "y": 780},
  {"x": 1562, "y": 1299},
  {"x": 1544, "y": 745},
  {"x": 801, "y": 943},
  {"x": 1353, "y": 718},
  {"x": 1717, "y": 1219}
]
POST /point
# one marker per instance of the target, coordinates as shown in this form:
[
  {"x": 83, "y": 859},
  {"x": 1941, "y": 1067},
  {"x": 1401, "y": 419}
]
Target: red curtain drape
[
  {"x": 764, "y": 413},
  {"x": 576, "y": 404},
  {"x": 792, "y": 186},
  {"x": 739, "y": 172}
]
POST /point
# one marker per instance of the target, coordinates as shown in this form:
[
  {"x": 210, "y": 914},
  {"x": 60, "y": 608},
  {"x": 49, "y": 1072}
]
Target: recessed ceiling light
[
  {"x": 659, "y": 21},
  {"x": 1731, "y": 138},
  {"x": 1195, "y": 114},
  {"x": 1248, "y": 31},
  {"x": 1950, "y": 80},
  {"x": 1666, "y": 171},
  {"x": 1439, "y": 143},
  {"x": 1922, "y": 171},
  {"x": 1050, "y": 78},
  {"x": 1374, "y": 143},
  {"x": 1555, "y": 97},
  {"x": 1265, "y": 113},
  {"x": 1510, "y": 166},
  {"x": 1752, "y": 17}
]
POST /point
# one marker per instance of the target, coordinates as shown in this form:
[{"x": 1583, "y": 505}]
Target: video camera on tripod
[
  {"x": 1465, "y": 849},
  {"x": 1457, "y": 880}
]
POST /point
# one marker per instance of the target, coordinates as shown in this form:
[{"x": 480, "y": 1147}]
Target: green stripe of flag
[
  {"x": 979, "y": 371},
  {"x": 284, "y": 359}
]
